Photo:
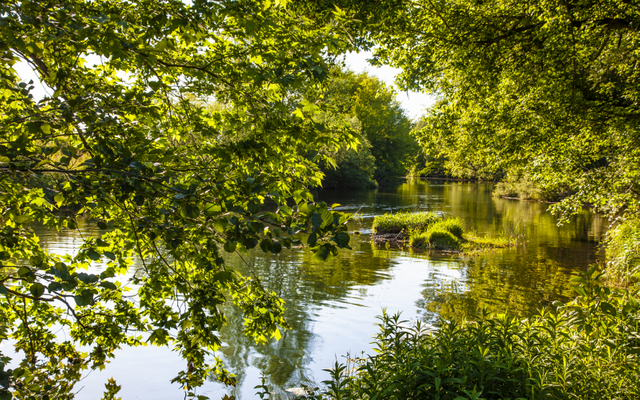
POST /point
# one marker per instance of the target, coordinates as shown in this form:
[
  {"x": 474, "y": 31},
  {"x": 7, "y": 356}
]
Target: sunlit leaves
[
  {"x": 548, "y": 88},
  {"x": 166, "y": 138}
]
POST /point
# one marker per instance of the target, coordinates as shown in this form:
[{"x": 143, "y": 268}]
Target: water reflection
[
  {"x": 332, "y": 306},
  {"x": 518, "y": 280}
]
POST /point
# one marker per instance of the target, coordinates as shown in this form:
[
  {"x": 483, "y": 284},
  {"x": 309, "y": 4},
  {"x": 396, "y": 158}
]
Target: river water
[{"x": 332, "y": 306}]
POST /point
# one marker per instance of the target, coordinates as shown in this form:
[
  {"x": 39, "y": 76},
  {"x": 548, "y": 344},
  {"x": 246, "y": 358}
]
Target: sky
[{"x": 414, "y": 103}]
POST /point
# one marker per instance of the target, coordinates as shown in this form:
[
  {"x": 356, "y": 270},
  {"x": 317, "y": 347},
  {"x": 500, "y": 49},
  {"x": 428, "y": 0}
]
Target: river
[{"x": 332, "y": 306}]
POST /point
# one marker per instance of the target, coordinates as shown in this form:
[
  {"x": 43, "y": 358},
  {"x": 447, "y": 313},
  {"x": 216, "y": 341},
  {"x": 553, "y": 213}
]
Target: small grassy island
[{"x": 427, "y": 230}]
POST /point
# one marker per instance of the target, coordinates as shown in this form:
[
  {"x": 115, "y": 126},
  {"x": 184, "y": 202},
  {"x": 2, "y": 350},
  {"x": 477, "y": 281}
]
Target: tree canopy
[
  {"x": 385, "y": 141},
  {"x": 550, "y": 87},
  {"x": 126, "y": 140}
]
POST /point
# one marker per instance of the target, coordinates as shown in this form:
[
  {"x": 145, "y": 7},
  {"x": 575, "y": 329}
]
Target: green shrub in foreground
[
  {"x": 587, "y": 349},
  {"x": 395, "y": 223}
]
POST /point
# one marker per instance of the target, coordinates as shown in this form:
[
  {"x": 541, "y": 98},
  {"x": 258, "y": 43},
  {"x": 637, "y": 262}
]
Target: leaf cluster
[{"x": 168, "y": 135}]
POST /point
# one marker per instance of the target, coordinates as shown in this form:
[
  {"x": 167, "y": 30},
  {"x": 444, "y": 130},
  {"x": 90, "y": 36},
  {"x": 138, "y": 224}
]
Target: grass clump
[
  {"x": 474, "y": 243},
  {"x": 435, "y": 239},
  {"x": 587, "y": 349},
  {"x": 445, "y": 234},
  {"x": 399, "y": 222}
]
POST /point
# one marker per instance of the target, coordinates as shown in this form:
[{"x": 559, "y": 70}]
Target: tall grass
[
  {"x": 444, "y": 234},
  {"x": 403, "y": 221},
  {"x": 587, "y": 349}
]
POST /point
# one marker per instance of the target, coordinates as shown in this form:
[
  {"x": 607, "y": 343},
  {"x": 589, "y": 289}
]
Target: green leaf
[
  {"x": 84, "y": 299},
  {"x": 306, "y": 208},
  {"x": 316, "y": 219},
  {"x": 342, "y": 239},
  {"x": 313, "y": 238},
  {"x": 94, "y": 255},
  {"x": 54, "y": 287},
  {"x": 221, "y": 225},
  {"x": 608, "y": 308},
  {"x": 37, "y": 289},
  {"x": 229, "y": 246},
  {"x": 108, "y": 285}
]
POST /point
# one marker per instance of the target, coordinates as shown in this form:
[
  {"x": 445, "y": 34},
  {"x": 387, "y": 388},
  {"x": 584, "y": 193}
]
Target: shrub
[
  {"x": 587, "y": 349},
  {"x": 395, "y": 223},
  {"x": 623, "y": 254}
]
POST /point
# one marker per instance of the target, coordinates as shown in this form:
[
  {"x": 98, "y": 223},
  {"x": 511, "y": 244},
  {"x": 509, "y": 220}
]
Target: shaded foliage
[{"x": 126, "y": 136}]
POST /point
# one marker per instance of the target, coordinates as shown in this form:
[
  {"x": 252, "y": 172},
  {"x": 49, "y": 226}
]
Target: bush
[
  {"x": 587, "y": 349},
  {"x": 396, "y": 223},
  {"x": 623, "y": 254}
]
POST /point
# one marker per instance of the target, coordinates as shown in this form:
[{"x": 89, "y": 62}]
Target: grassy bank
[
  {"x": 622, "y": 245},
  {"x": 426, "y": 230},
  {"x": 587, "y": 349}
]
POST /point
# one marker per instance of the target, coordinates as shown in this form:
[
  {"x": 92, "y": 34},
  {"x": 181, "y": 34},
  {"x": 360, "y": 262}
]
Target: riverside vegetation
[
  {"x": 427, "y": 230},
  {"x": 124, "y": 136},
  {"x": 587, "y": 349}
]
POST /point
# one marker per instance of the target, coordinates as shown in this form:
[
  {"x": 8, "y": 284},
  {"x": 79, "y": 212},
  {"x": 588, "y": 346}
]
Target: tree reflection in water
[{"x": 518, "y": 280}]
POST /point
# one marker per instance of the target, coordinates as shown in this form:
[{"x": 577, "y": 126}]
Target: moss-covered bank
[{"x": 426, "y": 230}]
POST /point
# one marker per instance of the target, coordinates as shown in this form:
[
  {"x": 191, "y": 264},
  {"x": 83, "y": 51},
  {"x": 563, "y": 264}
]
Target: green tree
[
  {"x": 551, "y": 87},
  {"x": 126, "y": 140},
  {"x": 384, "y": 131}
]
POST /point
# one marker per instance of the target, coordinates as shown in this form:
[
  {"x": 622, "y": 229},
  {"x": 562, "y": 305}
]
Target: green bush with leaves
[{"x": 587, "y": 349}]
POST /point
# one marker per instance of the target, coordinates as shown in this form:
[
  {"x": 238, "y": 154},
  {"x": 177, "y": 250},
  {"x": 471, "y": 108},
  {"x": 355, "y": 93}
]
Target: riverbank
[{"x": 586, "y": 349}]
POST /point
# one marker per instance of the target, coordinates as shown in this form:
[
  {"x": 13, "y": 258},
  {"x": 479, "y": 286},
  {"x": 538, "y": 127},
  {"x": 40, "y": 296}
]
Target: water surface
[{"x": 332, "y": 306}]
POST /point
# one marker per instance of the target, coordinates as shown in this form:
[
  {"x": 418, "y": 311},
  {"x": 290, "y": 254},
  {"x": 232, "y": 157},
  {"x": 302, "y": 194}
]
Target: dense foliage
[
  {"x": 126, "y": 140},
  {"x": 386, "y": 146},
  {"x": 587, "y": 349},
  {"x": 520, "y": 185},
  {"x": 623, "y": 254},
  {"x": 551, "y": 87}
]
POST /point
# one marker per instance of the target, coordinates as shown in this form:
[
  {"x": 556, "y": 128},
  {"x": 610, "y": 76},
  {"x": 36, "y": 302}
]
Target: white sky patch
[
  {"x": 26, "y": 74},
  {"x": 414, "y": 103}
]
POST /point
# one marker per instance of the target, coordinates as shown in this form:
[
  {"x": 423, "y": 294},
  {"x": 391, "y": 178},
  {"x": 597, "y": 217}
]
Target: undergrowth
[
  {"x": 587, "y": 349},
  {"x": 623, "y": 254}
]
